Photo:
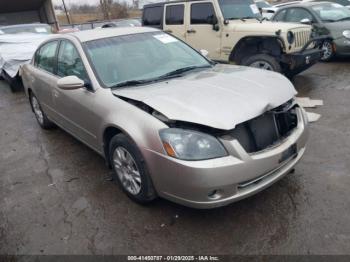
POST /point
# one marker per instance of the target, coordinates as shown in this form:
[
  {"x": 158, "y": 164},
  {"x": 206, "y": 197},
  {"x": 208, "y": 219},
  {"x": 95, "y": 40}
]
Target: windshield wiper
[
  {"x": 132, "y": 83},
  {"x": 172, "y": 74},
  {"x": 342, "y": 19},
  {"x": 328, "y": 20}
]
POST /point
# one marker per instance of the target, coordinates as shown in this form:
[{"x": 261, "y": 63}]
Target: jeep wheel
[
  {"x": 328, "y": 49},
  {"x": 262, "y": 61}
]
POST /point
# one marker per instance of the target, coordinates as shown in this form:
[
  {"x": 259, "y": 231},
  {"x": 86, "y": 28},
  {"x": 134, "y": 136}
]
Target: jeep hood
[
  {"x": 221, "y": 97},
  {"x": 252, "y": 25}
]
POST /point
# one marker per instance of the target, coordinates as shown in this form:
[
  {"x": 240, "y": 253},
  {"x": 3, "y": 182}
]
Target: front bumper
[
  {"x": 342, "y": 46},
  {"x": 300, "y": 61},
  {"x": 219, "y": 182}
]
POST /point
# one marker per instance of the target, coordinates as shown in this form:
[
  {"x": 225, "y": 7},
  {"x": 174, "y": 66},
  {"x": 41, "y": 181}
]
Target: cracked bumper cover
[{"x": 234, "y": 177}]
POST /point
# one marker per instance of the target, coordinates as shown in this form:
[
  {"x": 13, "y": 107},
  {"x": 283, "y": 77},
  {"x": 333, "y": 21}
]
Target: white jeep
[{"x": 233, "y": 31}]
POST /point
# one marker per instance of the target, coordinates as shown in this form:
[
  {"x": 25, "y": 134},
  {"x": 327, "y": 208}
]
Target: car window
[
  {"x": 340, "y": 2},
  {"x": 262, "y": 4},
  {"x": 174, "y": 15},
  {"x": 202, "y": 13},
  {"x": 152, "y": 16},
  {"x": 295, "y": 15},
  {"x": 329, "y": 12},
  {"x": 69, "y": 62},
  {"x": 46, "y": 57},
  {"x": 280, "y": 16},
  {"x": 238, "y": 9}
]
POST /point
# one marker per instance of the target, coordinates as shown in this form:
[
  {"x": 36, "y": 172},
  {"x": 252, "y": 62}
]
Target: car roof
[
  {"x": 23, "y": 25},
  {"x": 305, "y": 4},
  {"x": 94, "y": 34}
]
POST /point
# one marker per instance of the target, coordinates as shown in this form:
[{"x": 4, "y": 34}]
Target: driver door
[
  {"x": 75, "y": 108},
  {"x": 200, "y": 32}
]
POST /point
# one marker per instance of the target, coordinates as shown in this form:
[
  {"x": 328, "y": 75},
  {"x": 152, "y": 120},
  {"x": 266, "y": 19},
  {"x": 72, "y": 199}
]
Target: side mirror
[
  {"x": 214, "y": 21},
  {"x": 70, "y": 83},
  {"x": 204, "y": 52},
  {"x": 306, "y": 21},
  {"x": 216, "y": 27}
]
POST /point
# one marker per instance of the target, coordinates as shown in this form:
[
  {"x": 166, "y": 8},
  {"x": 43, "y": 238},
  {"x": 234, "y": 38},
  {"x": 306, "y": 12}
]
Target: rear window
[
  {"x": 45, "y": 57},
  {"x": 174, "y": 15},
  {"x": 152, "y": 16}
]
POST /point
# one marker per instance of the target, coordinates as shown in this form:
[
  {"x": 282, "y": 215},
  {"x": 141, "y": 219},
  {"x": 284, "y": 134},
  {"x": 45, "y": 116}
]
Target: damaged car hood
[{"x": 220, "y": 97}]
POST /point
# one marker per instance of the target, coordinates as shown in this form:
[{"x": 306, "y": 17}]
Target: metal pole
[{"x": 65, "y": 9}]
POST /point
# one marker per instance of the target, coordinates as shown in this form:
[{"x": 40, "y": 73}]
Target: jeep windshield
[
  {"x": 328, "y": 12},
  {"x": 136, "y": 59},
  {"x": 239, "y": 9}
]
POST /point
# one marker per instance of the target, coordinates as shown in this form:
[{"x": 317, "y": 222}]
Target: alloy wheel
[
  {"x": 327, "y": 48},
  {"x": 127, "y": 171}
]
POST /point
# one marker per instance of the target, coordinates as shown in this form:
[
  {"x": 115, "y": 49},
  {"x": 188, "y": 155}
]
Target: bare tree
[{"x": 105, "y": 6}]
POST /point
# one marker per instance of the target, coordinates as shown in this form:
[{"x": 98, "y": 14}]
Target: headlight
[
  {"x": 290, "y": 37},
  {"x": 191, "y": 145},
  {"x": 346, "y": 33}
]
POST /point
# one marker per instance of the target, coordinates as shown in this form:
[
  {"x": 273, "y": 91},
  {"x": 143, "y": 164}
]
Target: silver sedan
[{"x": 168, "y": 121}]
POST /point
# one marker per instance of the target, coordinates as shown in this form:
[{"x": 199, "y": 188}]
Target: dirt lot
[{"x": 56, "y": 197}]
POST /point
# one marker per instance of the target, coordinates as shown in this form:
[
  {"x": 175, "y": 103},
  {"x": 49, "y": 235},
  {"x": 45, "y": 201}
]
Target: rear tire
[
  {"x": 130, "y": 170},
  {"x": 15, "y": 83},
  {"x": 263, "y": 61},
  {"x": 40, "y": 116}
]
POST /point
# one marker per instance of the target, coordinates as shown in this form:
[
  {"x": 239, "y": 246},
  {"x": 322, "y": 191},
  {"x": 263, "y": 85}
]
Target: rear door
[
  {"x": 152, "y": 16},
  {"x": 200, "y": 32},
  {"x": 174, "y": 20}
]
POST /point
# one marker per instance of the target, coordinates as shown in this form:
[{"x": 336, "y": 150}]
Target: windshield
[
  {"x": 140, "y": 57},
  {"x": 238, "y": 9},
  {"x": 37, "y": 29},
  {"x": 332, "y": 12},
  {"x": 342, "y": 2},
  {"x": 262, "y": 4}
]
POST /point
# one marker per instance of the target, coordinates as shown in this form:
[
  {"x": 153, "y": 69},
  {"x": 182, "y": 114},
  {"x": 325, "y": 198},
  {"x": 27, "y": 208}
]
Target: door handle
[
  {"x": 168, "y": 31},
  {"x": 191, "y": 31}
]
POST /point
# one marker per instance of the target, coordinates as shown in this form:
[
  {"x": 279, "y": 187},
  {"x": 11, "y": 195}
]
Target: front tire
[
  {"x": 40, "y": 116},
  {"x": 263, "y": 61},
  {"x": 328, "y": 49},
  {"x": 130, "y": 169}
]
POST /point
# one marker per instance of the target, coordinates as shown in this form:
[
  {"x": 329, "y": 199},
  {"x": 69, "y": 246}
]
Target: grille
[
  {"x": 301, "y": 38},
  {"x": 266, "y": 130}
]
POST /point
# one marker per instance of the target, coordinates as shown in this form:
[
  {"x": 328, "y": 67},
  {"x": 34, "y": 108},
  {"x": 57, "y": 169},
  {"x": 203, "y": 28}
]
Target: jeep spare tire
[{"x": 263, "y": 61}]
